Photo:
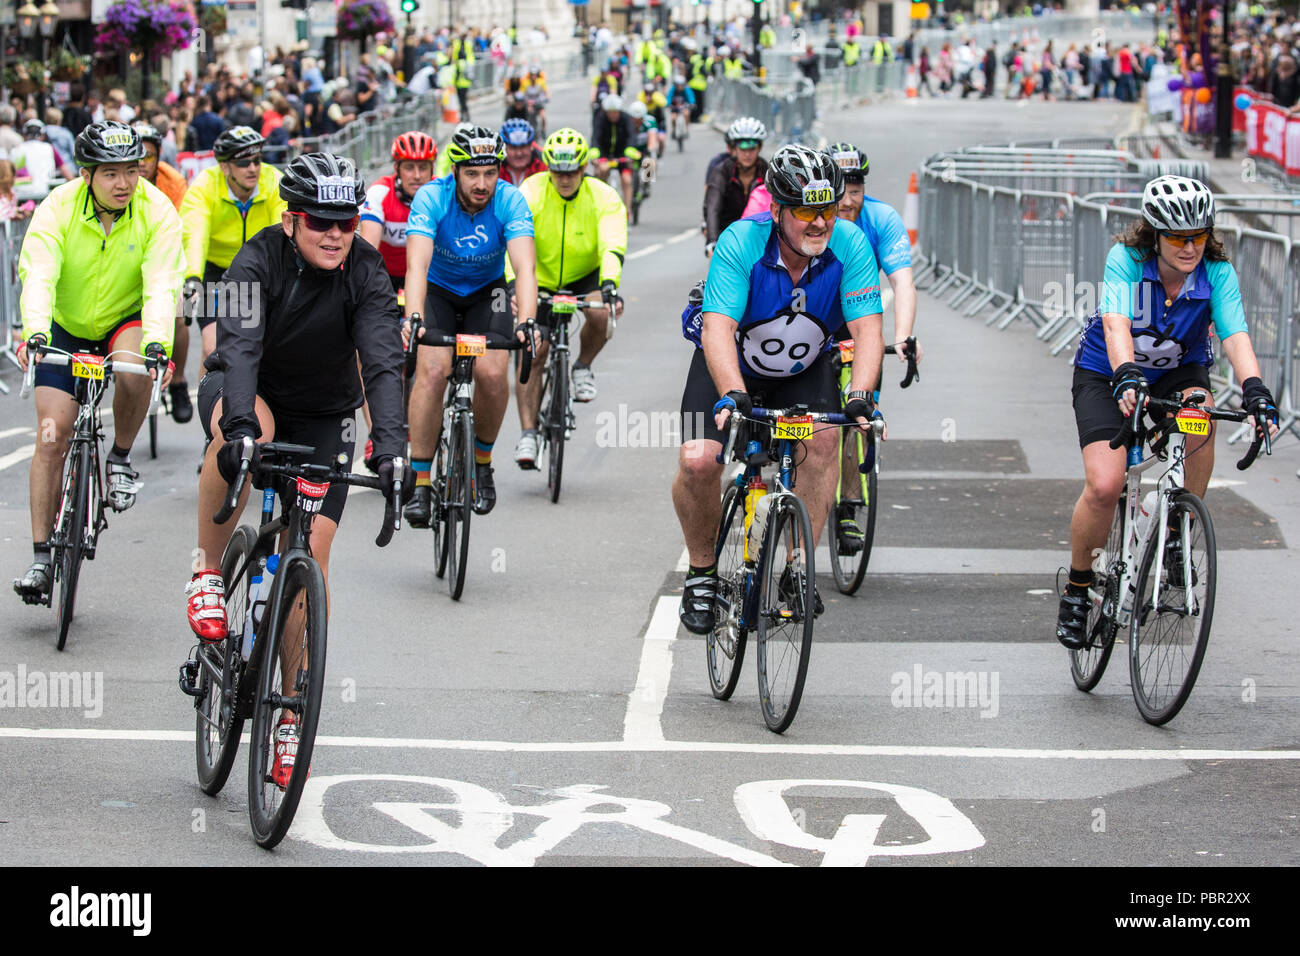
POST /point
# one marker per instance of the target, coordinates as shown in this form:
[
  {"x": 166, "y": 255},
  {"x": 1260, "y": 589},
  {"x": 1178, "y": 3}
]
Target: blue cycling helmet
[{"x": 518, "y": 132}]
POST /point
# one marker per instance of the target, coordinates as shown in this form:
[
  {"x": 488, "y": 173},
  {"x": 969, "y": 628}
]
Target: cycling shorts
[
  {"x": 817, "y": 387},
  {"x": 328, "y": 434},
  {"x": 60, "y": 376},
  {"x": 1096, "y": 412},
  {"x": 211, "y": 307},
  {"x": 485, "y": 311},
  {"x": 588, "y": 283}
]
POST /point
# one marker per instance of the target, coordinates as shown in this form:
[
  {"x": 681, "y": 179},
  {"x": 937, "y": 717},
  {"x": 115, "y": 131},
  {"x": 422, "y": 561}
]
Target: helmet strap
[{"x": 98, "y": 206}]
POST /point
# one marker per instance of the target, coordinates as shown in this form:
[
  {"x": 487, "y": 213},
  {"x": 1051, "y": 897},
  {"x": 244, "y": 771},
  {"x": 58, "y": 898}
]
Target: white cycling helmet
[
  {"x": 612, "y": 103},
  {"x": 747, "y": 127},
  {"x": 679, "y": 79},
  {"x": 637, "y": 110},
  {"x": 1176, "y": 202},
  {"x": 724, "y": 51},
  {"x": 688, "y": 44}
]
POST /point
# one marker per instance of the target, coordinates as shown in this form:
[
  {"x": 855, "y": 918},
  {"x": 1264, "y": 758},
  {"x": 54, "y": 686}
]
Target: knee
[
  {"x": 1103, "y": 489},
  {"x": 698, "y": 466},
  {"x": 430, "y": 377}
]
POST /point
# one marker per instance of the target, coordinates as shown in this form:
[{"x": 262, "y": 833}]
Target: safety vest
[
  {"x": 767, "y": 37},
  {"x": 458, "y": 47},
  {"x": 646, "y": 53},
  {"x": 851, "y": 52},
  {"x": 882, "y": 53},
  {"x": 733, "y": 68},
  {"x": 700, "y": 70}
]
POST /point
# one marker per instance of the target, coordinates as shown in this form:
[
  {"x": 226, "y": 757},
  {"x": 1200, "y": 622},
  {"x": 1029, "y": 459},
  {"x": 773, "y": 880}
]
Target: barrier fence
[{"x": 1022, "y": 234}]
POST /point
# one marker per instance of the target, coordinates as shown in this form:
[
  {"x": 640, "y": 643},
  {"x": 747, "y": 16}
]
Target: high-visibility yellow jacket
[
  {"x": 88, "y": 281},
  {"x": 574, "y": 237},
  {"x": 215, "y": 228}
]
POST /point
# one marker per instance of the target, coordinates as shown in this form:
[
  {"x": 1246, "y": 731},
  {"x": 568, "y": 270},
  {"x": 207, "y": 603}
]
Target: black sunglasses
[{"x": 245, "y": 163}]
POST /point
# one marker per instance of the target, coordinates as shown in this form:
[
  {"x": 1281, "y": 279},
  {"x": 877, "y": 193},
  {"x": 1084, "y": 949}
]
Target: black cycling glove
[
  {"x": 230, "y": 455},
  {"x": 1129, "y": 375},
  {"x": 1258, "y": 400},
  {"x": 735, "y": 399},
  {"x": 859, "y": 408},
  {"x": 386, "y": 476}
]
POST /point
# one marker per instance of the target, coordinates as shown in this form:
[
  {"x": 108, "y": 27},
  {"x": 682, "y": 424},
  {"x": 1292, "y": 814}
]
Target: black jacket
[
  {"x": 612, "y": 139},
  {"x": 291, "y": 334},
  {"x": 725, "y": 198}
]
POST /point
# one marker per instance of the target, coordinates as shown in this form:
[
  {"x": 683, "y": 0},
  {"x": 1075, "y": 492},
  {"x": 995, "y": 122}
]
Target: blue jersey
[
  {"x": 1167, "y": 334},
  {"x": 783, "y": 326},
  {"x": 469, "y": 252},
  {"x": 888, "y": 236}
]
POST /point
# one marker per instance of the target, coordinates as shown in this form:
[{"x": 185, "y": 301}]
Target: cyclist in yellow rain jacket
[
  {"x": 580, "y": 231},
  {"x": 101, "y": 270},
  {"x": 226, "y": 205}
]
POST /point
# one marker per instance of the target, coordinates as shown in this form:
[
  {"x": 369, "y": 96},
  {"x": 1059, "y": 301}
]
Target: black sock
[
  {"x": 710, "y": 571},
  {"x": 41, "y": 552},
  {"x": 120, "y": 454},
  {"x": 1079, "y": 582}
]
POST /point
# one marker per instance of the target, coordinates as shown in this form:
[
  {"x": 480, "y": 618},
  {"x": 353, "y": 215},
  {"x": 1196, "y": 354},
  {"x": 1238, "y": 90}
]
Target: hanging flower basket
[
  {"x": 358, "y": 19},
  {"x": 213, "y": 20},
  {"x": 156, "y": 27}
]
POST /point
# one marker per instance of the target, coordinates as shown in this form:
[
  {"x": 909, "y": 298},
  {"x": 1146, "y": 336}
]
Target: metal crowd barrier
[
  {"x": 789, "y": 116},
  {"x": 1018, "y": 232},
  {"x": 11, "y": 242}
]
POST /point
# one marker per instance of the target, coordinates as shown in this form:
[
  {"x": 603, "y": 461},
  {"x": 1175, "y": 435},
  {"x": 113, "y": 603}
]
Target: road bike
[
  {"x": 856, "y": 502},
  {"x": 644, "y": 176},
  {"x": 1156, "y": 576},
  {"x": 273, "y": 645},
  {"x": 765, "y": 563},
  {"x": 679, "y": 125},
  {"x": 81, "y": 516},
  {"x": 556, "y": 420},
  {"x": 454, "y": 484}
]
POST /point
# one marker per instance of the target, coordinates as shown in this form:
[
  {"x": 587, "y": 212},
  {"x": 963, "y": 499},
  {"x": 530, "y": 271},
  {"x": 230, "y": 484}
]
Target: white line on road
[
  {"x": 15, "y": 457},
  {"x": 684, "y": 562},
  {"x": 646, "y": 704},
  {"x": 684, "y": 235},
  {"x": 678, "y": 746},
  {"x": 10, "y": 432},
  {"x": 653, "y": 247}
]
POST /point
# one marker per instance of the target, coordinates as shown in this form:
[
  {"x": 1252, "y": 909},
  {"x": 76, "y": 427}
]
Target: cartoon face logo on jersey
[
  {"x": 1154, "y": 349},
  {"x": 783, "y": 345}
]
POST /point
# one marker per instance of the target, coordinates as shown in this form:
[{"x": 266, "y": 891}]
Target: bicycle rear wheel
[
  {"x": 460, "y": 502},
  {"x": 725, "y": 644},
  {"x": 295, "y": 647},
  {"x": 556, "y": 426},
  {"x": 857, "y": 503},
  {"x": 1088, "y": 663},
  {"x": 217, "y": 726},
  {"x": 438, "y": 505},
  {"x": 72, "y": 548},
  {"x": 784, "y": 622},
  {"x": 1168, "y": 638}
]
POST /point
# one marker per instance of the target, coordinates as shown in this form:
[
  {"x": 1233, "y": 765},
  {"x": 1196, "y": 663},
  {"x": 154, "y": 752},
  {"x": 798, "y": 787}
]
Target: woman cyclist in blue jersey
[{"x": 1167, "y": 281}]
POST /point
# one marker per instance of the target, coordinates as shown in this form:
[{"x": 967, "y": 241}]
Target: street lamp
[
  {"x": 28, "y": 17},
  {"x": 49, "y": 12}
]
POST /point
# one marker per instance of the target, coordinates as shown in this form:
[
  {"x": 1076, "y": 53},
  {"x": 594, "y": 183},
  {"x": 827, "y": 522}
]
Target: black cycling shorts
[
  {"x": 485, "y": 311},
  {"x": 330, "y": 435},
  {"x": 211, "y": 307},
  {"x": 1096, "y": 412},
  {"x": 60, "y": 376},
  {"x": 817, "y": 387},
  {"x": 588, "y": 283}
]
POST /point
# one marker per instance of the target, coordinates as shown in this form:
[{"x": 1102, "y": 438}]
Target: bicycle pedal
[{"x": 189, "y": 678}]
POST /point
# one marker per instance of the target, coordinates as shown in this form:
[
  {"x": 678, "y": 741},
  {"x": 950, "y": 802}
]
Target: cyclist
[
  {"x": 1167, "y": 281},
  {"x": 225, "y": 206},
  {"x": 388, "y": 201},
  {"x": 523, "y": 158},
  {"x": 681, "y": 100},
  {"x": 101, "y": 268},
  {"x": 171, "y": 182},
  {"x": 889, "y": 241},
  {"x": 733, "y": 179},
  {"x": 292, "y": 376},
  {"x": 537, "y": 95},
  {"x": 646, "y": 136},
  {"x": 611, "y": 145},
  {"x": 700, "y": 66},
  {"x": 443, "y": 166},
  {"x": 657, "y": 107},
  {"x": 581, "y": 227},
  {"x": 461, "y": 229},
  {"x": 779, "y": 286},
  {"x": 602, "y": 85}
]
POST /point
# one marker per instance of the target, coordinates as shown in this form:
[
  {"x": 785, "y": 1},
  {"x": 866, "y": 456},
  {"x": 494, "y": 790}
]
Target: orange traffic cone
[
  {"x": 450, "y": 108},
  {"x": 912, "y": 209},
  {"x": 911, "y": 82}
]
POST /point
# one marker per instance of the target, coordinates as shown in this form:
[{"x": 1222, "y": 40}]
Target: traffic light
[{"x": 410, "y": 6}]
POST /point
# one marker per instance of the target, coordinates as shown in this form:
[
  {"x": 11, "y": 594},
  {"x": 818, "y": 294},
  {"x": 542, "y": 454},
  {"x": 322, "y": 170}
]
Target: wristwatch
[{"x": 859, "y": 393}]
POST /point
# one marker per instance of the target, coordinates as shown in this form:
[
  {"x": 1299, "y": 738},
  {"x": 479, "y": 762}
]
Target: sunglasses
[
  {"x": 245, "y": 163},
  {"x": 809, "y": 213},
  {"x": 747, "y": 144},
  {"x": 317, "y": 224},
  {"x": 1197, "y": 239}
]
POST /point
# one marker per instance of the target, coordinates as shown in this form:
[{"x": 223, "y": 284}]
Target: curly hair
[{"x": 1141, "y": 236}]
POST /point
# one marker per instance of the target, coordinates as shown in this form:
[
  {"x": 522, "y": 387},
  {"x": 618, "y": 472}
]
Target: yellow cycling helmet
[{"x": 565, "y": 150}]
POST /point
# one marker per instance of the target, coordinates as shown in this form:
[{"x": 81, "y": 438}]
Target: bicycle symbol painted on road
[{"x": 482, "y": 818}]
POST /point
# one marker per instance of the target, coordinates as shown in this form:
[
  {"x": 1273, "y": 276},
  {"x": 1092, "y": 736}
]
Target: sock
[
  {"x": 422, "y": 467},
  {"x": 578, "y": 364},
  {"x": 120, "y": 454},
  {"x": 483, "y": 452},
  {"x": 710, "y": 571},
  {"x": 1079, "y": 582},
  {"x": 529, "y": 431},
  {"x": 41, "y": 552}
]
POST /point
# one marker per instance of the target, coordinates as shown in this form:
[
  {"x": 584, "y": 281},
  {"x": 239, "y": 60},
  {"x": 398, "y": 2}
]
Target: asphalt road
[{"x": 557, "y": 715}]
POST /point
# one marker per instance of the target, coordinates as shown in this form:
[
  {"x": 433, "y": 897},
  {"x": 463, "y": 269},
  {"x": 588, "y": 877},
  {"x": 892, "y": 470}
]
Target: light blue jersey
[{"x": 885, "y": 231}]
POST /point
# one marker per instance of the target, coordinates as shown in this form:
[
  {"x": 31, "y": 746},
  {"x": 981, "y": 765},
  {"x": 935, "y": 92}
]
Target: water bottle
[
  {"x": 259, "y": 589},
  {"x": 758, "y": 526},
  {"x": 1146, "y": 514}
]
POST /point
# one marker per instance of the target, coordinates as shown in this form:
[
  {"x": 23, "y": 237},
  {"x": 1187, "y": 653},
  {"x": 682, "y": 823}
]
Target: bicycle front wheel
[
  {"x": 292, "y": 680},
  {"x": 855, "y": 509},
  {"x": 438, "y": 505},
  {"x": 73, "y": 546},
  {"x": 217, "y": 726},
  {"x": 1089, "y": 662},
  {"x": 725, "y": 644},
  {"x": 460, "y": 503},
  {"x": 1172, "y": 612},
  {"x": 784, "y": 623},
  {"x": 556, "y": 427}
]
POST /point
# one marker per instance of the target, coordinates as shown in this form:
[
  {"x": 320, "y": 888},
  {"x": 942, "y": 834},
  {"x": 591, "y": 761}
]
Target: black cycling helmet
[
  {"x": 107, "y": 142},
  {"x": 323, "y": 185},
  {"x": 236, "y": 141},
  {"x": 148, "y": 133},
  {"x": 476, "y": 146},
  {"x": 802, "y": 176},
  {"x": 851, "y": 161}
]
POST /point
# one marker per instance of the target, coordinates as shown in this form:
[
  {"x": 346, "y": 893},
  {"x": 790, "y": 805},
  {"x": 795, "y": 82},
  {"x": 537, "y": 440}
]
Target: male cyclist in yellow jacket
[
  {"x": 580, "y": 230},
  {"x": 101, "y": 270},
  {"x": 226, "y": 205}
]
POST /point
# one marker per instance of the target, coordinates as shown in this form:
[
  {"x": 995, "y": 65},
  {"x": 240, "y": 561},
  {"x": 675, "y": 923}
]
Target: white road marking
[
  {"x": 10, "y": 432},
  {"x": 674, "y": 746},
  {"x": 653, "y": 247},
  {"x": 646, "y": 704},
  {"x": 16, "y": 457},
  {"x": 684, "y": 562},
  {"x": 684, "y": 235}
]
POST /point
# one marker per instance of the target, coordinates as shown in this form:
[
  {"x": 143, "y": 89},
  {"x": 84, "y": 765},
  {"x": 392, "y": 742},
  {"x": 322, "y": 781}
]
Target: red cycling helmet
[{"x": 414, "y": 145}]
